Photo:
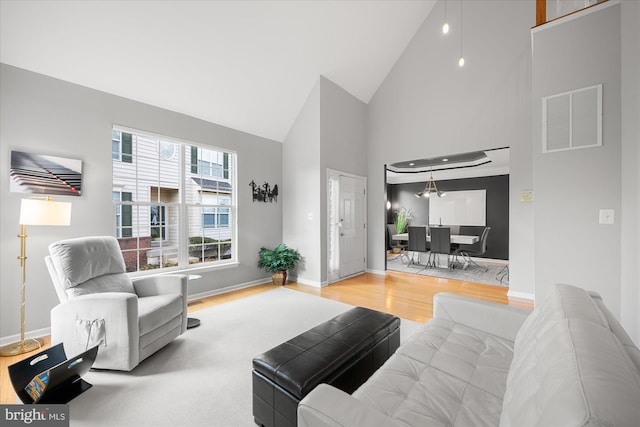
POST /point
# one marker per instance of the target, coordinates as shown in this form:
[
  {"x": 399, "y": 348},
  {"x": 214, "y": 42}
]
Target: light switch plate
[
  {"x": 607, "y": 216},
  {"x": 526, "y": 196}
]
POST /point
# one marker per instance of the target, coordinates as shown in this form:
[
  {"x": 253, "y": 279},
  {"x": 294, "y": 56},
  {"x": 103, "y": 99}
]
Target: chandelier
[{"x": 430, "y": 188}]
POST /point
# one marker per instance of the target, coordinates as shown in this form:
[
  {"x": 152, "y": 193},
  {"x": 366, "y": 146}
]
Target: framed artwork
[{"x": 40, "y": 174}]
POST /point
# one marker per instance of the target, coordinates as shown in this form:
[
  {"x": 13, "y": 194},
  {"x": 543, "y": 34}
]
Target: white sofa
[{"x": 566, "y": 363}]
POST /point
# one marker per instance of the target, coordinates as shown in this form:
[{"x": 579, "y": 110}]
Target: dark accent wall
[{"x": 497, "y": 187}]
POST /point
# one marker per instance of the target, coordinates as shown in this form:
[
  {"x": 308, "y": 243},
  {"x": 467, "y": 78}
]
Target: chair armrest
[
  {"x": 331, "y": 407},
  {"x": 161, "y": 285},
  {"x": 497, "y": 319},
  {"x": 103, "y": 303},
  {"x": 118, "y": 310}
]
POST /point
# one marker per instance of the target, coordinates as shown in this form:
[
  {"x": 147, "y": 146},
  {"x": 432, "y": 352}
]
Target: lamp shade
[{"x": 44, "y": 212}]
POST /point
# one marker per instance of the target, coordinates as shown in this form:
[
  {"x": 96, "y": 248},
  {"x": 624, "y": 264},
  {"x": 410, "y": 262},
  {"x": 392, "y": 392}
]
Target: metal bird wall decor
[{"x": 264, "y": 193}]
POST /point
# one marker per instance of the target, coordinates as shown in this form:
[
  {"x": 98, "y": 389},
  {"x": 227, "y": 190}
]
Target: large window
[{"x": 174, "y": 203}]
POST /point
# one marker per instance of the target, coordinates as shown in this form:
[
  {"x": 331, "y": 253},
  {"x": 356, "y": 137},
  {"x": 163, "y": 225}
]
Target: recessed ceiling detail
[{"x": 475, "y": 158}]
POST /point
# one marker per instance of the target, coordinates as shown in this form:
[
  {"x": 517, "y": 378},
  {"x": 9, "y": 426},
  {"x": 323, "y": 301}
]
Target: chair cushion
[
  {"x": 81, "y": 259},
  {"x": 157, "y": 310},
  {"x": 445, "y": 375},
  {"x": 107, "y": 283}
]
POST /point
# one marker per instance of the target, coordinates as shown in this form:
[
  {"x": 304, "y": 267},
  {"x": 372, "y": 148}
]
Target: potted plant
[
  {"x": 277, "y": 261},
  {"x": 402, "y": 220}
]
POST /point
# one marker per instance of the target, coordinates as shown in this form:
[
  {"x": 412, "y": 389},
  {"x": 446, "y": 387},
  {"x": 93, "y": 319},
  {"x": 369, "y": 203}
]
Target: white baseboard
[
  {"x": 38, "y": 333},
  {"x": 524, "y": 295},
  {"x": 229, "y": 289},
  {"x": 307, "y": 282},
  {"x": 378, "y": 272}
]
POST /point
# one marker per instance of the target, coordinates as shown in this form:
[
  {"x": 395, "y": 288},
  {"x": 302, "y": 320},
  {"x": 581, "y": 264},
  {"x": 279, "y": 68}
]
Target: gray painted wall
[
  {"x": 572, "y": 186},
  {"x": 329, "y": 132},
  {"x": 301, "y": 215},
  {"x": 45, "y": 115},
  {"x": 630, "y": 221},
  {"x": 428, "y": 106},
  {"x": 343, "y": 130}
]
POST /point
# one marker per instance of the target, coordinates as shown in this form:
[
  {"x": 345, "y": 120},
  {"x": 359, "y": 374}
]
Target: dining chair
[
  {"x": 477, "y": 249},
  {"x": 391, "y": 230},
  {"x": 440, "y": 244},
  {"x": 418, "y": 242}
]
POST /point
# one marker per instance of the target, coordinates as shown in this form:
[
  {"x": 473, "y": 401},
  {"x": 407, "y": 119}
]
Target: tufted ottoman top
[{"x": 322, "y": 352}]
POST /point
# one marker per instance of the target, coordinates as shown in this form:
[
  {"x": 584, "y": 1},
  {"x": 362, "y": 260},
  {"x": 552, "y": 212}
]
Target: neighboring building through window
[
  {"x": 123, "y": 213},
  {"x": 121, "y": 146},
  {"x": 174, "y": 203}
]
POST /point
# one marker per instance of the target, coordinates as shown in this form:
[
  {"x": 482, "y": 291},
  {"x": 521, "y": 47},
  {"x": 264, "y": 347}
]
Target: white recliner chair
[{"x": 100, "y": 304}]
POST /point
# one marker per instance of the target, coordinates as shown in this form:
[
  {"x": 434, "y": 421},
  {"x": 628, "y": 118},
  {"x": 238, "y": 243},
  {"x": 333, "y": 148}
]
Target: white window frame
[
  {"x": 183, "y": 206},
  {"x": 116, "y": 155},
  {"x": 118, "y": 211}
]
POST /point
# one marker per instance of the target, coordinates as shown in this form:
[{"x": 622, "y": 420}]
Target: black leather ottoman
[{"x": 343, "y": 352}]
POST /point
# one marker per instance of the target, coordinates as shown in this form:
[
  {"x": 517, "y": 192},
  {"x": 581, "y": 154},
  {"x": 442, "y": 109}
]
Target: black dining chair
[
  {"x": 440, "y": 244},
  {"x": 417, "y": 242},
  {"x": 477, "y": 249}
]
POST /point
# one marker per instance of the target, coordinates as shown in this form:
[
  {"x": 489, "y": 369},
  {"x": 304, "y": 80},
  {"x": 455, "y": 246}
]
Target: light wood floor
[{"x": 405, "y": 295}]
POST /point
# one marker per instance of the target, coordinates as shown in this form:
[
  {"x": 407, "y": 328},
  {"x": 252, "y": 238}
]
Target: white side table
[{"x": 191, "y": 321}]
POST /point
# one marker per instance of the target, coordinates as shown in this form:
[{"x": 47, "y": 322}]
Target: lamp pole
[
  {"x": 22, "y": 346},
  {"x": 33, "y": 211}
]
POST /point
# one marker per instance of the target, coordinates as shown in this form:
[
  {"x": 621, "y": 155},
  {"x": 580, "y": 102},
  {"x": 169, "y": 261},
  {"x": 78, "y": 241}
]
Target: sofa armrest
[
  {"x": 497, "y": 319},
  {"x": 331, "y": 407},
  {"x": 116, "y": 326},
  {"x": 161, "y": 285}
]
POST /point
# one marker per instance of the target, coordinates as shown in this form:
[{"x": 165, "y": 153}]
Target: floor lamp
[{"x": 34, "y": 211}]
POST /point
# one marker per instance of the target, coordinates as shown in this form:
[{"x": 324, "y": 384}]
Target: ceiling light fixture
[
  {"x": 445, "y": 26},
  {"x": 429, "y": 188},
  {"x": 461, "y": 60}
]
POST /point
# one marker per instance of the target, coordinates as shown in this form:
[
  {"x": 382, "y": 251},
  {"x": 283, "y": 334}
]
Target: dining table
[{"x": 460, "y": 239}]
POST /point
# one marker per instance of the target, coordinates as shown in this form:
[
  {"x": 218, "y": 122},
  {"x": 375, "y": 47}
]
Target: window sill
[{"x": 194, "y": 270}]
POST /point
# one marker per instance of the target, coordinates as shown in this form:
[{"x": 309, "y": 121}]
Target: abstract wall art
[{"x": 42, "y": 174}]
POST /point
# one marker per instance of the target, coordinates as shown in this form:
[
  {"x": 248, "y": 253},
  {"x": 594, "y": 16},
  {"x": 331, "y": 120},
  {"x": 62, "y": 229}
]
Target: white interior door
[{"x": 351, "y": 225}]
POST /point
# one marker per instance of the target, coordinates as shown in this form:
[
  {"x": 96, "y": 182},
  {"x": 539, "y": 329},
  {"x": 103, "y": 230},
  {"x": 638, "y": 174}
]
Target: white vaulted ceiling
[{"x": 249, "y": 65}]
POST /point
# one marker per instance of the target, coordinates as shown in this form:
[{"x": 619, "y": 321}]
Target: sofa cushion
[
  {"x": 445, "y": 375},
  {"x": 569, "y": 369}
]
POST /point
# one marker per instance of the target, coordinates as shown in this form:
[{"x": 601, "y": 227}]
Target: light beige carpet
[{"x": 203, "y": 378}]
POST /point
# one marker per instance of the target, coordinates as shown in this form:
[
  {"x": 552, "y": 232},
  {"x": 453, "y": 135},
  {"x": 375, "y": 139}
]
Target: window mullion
[{"x": 183, "y": 216}]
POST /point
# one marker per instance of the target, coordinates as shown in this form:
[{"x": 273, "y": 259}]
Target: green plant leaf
[{"x": 281, "y": 258}]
